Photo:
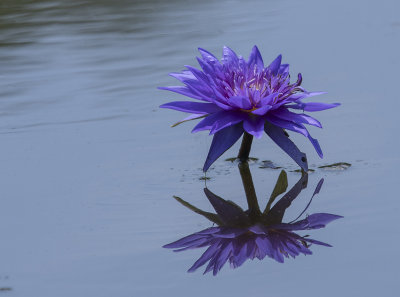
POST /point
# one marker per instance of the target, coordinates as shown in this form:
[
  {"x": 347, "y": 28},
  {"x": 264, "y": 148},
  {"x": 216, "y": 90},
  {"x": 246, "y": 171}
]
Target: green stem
[{"x": 245, "y": 148}]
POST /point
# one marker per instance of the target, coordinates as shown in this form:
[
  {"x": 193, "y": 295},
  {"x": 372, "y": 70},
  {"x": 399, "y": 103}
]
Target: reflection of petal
[
  {"x": 207, "y": 255},
  {"x": 229, "y": 213}
]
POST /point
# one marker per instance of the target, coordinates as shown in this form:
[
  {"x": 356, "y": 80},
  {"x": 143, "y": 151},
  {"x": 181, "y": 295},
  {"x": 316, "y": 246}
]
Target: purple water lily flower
[
  {"x": 241, "y": 235},
  {"x": 240, "y": 96}
]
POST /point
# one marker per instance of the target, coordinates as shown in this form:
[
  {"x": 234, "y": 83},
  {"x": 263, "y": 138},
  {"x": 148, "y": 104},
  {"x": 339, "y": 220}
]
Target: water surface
[{"x": 90, "y": 164}]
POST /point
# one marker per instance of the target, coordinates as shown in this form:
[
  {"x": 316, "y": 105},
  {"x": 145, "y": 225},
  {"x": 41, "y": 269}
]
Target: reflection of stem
[
  {"x": 245, "y": 147},
  {"x": 247, "y": 180}
]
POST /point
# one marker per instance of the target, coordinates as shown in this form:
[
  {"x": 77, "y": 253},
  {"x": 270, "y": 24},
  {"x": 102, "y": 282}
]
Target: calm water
[{"x": 90, "y": 164}]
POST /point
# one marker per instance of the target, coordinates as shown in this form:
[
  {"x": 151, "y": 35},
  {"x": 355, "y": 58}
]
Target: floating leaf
[
  {"x": 336, "y": 166},
  {"x": 269, "y": 164}
]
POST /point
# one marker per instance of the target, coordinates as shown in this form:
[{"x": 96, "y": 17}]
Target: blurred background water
[{"x": 90, "y": 164}]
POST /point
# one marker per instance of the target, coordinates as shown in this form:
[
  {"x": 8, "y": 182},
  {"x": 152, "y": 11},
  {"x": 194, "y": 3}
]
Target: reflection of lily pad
[
  {"x": 252, "y": 159},
  {"x": 336, "y": 166},
  {"x": 299, "y": 170},
  {"x": 5, "y": 289},
  {"x": 269, "y": 164}
]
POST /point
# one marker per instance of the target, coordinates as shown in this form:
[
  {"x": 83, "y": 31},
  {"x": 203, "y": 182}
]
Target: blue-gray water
[{"x": 89, "y": 163}]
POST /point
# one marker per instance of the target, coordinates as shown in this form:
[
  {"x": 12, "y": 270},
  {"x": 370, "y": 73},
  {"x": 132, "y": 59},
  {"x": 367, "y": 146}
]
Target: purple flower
[
  {"x": 240, "y": 96},
  {"x": 242, "y": 235}
]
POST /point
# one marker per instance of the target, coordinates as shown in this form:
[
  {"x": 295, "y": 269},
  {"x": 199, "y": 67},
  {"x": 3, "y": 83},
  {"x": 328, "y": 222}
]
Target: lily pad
[
  {"x": 269, "y": 164},
  {"x": 336, "y": 166}
]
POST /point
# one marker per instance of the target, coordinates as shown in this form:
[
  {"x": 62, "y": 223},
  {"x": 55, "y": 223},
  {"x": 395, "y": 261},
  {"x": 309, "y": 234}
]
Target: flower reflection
[{"x": 242, "y": 235}]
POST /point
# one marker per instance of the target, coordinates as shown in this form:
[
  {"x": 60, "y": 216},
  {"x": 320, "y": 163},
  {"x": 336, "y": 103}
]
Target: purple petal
[
  {"x": 207, "y": 122},
  {"x": 283, "y": 69},
  {"x": 262, "y": 110},
  {"x": 198, "y": 74},
  {"x": 256, "y": 59},
  {"x": 184, "y": 90},
  {"x": 314, "y": 106},
  {"x": 268, "y": 100},
  {"x": 227, "y": 119},
  {"x": 285, "y": 114},
  {"x": 316, "y": 145},
  {"x": 275, "y": 65},
  {"x": 183, "y": 76},
  {"x": 192, "y": 107},
  {"x": 299, "y": 128},
  {"x": 254, "y": 126},
  {"x": 287, "y": 125},
  {"x": 277, "y": 134},
  {"x": 303, "y": 95},
  {"x": 207, "y": 55},
  {"x": 240, "y": 102},
  {"x": 229, "y": 56},
  {"x": 221, "y": 142}
]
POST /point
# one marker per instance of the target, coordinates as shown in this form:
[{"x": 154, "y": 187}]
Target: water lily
[{"x": 245, "y": 97}]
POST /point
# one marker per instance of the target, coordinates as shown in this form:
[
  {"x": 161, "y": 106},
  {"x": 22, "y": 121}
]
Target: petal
[
  {"x": 198, "y": 74},
  {"x": 207, "y": 122},
  {"x": 262, "y": 110},
  {"x": 256, "y": 59},
  {"x": 314, "y": 106},
  {"x": 226, "y": 119},
  {"x": 320, "y": 220},
  {"x": 284, "y": 69},
  {"x": 183, "y": 76},
  {"x": 268, "y": 100},
  {"x": 183, "y": 241},
  {"x": 222, "y": 257},
  {"x": 303, "y": 95},
  {"x": 287, "y": 125},
  {"x": 207, "y": 55},
  {"x": 192, "y": 107},
  {"x": 275, "y": 65},
  {"x": 299, "y": 128},
  {"x": 221, "y": 142},
  {"x": 184, "y": 90},
  {"x": 240, "y": 102},
  {"x": 207, "y": 255},
  {"x": 229, "y": 56},
  {"x": 285, "y": 114},
  {"x": 278, "y": 135},
  {"x": 254, "y": 126}
]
